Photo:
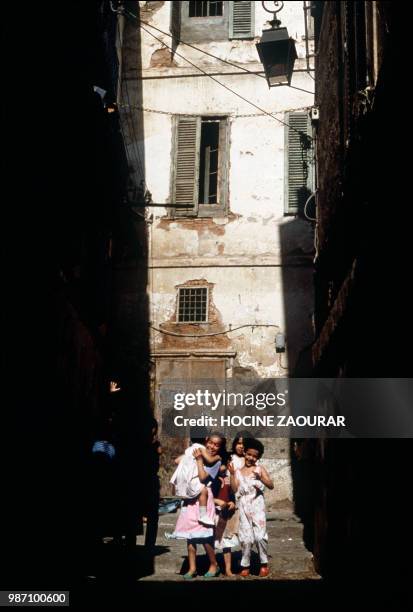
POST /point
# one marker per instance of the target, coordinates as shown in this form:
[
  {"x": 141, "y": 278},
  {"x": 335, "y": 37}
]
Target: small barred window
[
  {"x": 205, "y": 9},
  {"x": 193, "y": 305}
]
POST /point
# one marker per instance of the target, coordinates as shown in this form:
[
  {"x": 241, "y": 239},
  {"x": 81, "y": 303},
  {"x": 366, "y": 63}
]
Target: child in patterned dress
[{"x": 248, "y": 484}]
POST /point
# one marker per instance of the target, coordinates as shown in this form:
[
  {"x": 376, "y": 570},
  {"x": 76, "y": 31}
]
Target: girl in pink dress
[
  {"x": 187, "y": 483},
  {"x": 188, "y": 525}
]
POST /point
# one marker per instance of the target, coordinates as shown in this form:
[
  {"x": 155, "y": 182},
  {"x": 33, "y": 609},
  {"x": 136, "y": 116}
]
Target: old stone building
[{"x": 230, "y": 247}]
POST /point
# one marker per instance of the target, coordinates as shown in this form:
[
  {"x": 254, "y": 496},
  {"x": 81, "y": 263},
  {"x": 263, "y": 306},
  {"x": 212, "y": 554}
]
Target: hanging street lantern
[{"x": 277, "y": 51}]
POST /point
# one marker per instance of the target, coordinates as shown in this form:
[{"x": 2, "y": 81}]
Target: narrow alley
[{"x": 208, "y": 195}]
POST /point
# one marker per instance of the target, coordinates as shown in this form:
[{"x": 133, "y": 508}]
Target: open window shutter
[
  {"x": 241, "y": 19},
  {"x": 298, "y": 162},
  {"x": 186, "y": 165}
]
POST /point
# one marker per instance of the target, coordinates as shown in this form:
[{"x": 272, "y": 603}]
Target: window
[
  {"x": 193, "y": 305},
  {"x": 208, "y": 179},
  {"x": 199, "y": 166},
  {"x": 212, "y": 21},
  {"x": 298, "y": 162},
  {"x": 205, "y": 9}
]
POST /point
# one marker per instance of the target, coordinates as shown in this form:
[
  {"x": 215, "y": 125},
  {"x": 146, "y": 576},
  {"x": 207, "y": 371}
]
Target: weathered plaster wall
[
  {"x": 241, "y": 296},
  {"x": 257, "y": 260}
]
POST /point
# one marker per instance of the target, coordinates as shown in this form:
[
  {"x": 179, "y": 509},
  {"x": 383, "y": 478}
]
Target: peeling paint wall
[{"x": 257, "y": 260}]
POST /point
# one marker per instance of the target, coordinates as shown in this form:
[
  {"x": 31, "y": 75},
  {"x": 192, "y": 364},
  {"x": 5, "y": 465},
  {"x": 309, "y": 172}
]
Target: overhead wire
[
  {"x": 221, "y": 59},
  {"x": 262, "y": 112},
  {"x": 233, "y": 116},
  {"x": 225, "y": 86},
  {"x": 117, "y": 88},
  {"x": 128, "y": 13},
  {"x": 226, "y": 331},
  {"x": 301, "y": 89},
  {"x": 131, "y": 125},
  {"x": 182, "y": 42}
]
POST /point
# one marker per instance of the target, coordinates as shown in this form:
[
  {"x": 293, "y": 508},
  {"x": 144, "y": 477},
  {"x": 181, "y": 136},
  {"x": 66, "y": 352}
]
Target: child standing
[
  {"x": 187, "y": 482},
  {"x": 226, "y": 531},
  {"x": 248, "y": 483},
  {"x": 227, "y": 520},
  {"x": 188, "y": 525}
]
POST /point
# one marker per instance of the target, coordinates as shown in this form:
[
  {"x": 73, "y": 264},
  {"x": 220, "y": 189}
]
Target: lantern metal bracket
[{"x": 274, "y": 23}]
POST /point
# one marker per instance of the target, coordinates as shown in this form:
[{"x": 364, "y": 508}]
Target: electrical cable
[
  {"x": 301, "y": 89},
  {"x": 264, "y": 112},
  {"x": 306, "y": 204},
  {"x": 182, "y": 42},
  {"x": 206, "y": 73},
  {"x": 133, "y": 138},
  {"x": 131, "y": 126},
  {"x": 225, "y": 86},
  {"x": 169, "y": 333},
  {"x": 119, "y": 90},
  {"x": 127, "y": 120},
  {"x": 244, "y": 116},
  {"x": 124, "y": 142}
]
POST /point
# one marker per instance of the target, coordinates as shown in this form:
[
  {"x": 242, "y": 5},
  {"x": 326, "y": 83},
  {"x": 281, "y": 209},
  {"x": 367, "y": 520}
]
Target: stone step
[{"x": 288, "y": 557}]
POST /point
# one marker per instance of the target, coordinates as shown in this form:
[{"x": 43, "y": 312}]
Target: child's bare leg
[
  {"x": 203, "y": 514},
  {"x": 213, "y": 565},
  {"x": 227, "y": 561},
  {"x": 192, "y": 558},
  {"x": 203, "y": 497}
]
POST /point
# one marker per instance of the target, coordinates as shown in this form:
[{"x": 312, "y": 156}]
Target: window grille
[{"x": 193, "y": 305}]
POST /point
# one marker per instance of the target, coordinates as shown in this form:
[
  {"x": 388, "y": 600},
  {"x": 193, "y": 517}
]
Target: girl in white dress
[{"x": 248, "y": 484}]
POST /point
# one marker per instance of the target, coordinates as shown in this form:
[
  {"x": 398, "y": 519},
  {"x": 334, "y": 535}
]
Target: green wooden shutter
[
  {"x": 186, "y": 165},
  {"x": 241, "y": 19},
  {"x": 298, "y": 161}
]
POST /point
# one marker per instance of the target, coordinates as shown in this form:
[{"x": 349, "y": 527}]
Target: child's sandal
[
  {"x": 245, "y": 572},
  {"x": 212, "y": 574},
  {"x": 189, "y": 576}
]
